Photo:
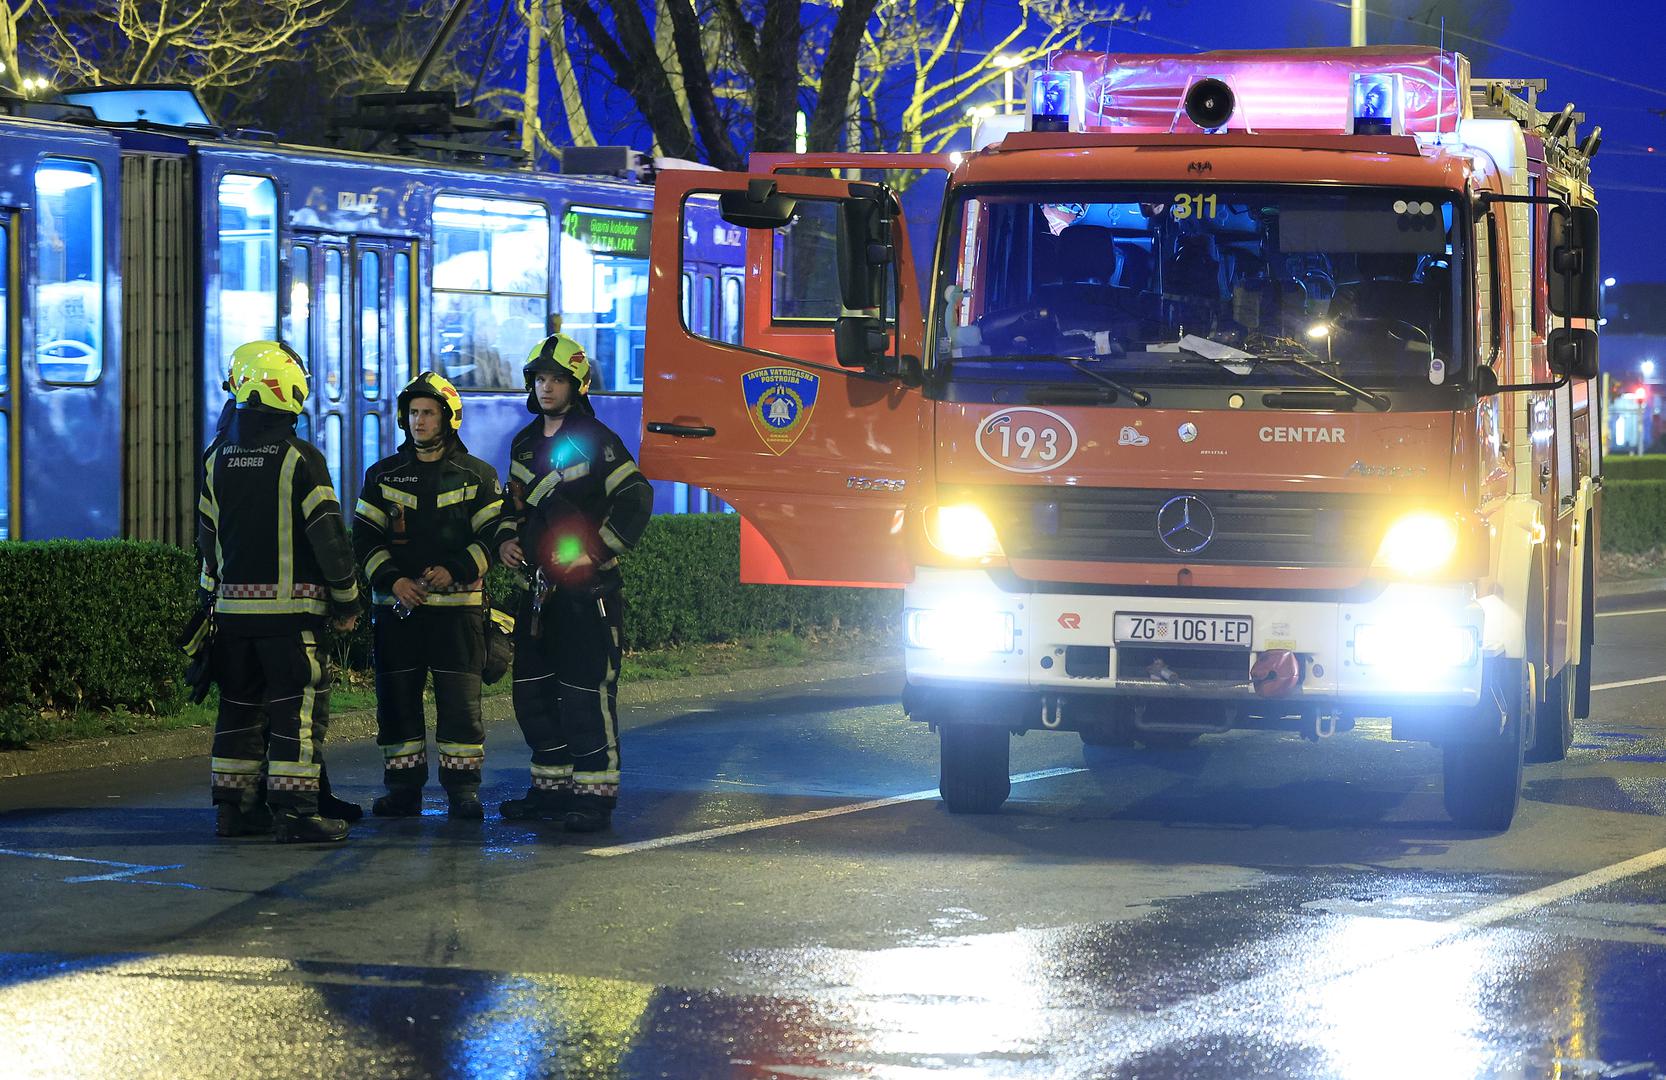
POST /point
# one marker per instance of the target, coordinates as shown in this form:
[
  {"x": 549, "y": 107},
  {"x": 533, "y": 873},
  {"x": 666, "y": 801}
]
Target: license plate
[{"x": 1213, "y": 631}]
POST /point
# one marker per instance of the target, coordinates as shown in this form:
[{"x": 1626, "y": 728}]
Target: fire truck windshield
[{"x": 1361, "y": 284}]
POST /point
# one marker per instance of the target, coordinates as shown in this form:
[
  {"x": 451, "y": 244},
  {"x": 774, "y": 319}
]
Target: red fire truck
[{"x": 1217, "y": 391}]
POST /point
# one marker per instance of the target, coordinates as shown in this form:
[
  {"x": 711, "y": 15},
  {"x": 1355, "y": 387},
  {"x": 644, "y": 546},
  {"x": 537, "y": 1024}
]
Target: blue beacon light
[
  {"x": 1378, "y": 104},
  {"x": 1055, "y": 101}
]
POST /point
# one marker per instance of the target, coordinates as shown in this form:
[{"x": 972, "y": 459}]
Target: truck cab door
[{"x": 821, "y": 460}]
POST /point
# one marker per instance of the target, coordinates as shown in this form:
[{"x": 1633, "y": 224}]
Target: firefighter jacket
[
  {"x": 269, "y": 531},
  {"x": 413, "y": 514},
  {"x": 575, "y": 492}
]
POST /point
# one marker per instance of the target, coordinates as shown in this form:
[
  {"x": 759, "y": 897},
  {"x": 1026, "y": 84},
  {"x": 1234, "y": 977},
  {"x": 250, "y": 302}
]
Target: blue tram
[{"x": 138, "y": 256}]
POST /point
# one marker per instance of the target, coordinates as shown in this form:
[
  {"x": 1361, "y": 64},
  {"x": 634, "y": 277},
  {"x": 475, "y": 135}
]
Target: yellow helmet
[
  {"x": 434, "y": 385},
  {"x": 558, "y": 353},
  {"x": 268, "y": 373}
]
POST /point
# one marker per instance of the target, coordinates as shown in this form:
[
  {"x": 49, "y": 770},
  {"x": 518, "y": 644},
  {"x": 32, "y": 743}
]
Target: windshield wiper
[
  {"x": 1217, "y": 353},
  {"x": 1079, "y": 364}
]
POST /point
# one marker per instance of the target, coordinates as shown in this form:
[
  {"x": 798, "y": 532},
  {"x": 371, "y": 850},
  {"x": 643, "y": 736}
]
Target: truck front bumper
[{"x": 1412, "y": 647}]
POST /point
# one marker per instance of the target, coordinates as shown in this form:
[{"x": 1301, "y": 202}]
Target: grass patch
[{"x": 1633, "y": 566}]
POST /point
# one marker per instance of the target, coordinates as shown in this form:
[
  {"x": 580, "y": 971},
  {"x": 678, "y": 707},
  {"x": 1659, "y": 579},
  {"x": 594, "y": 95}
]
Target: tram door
[
  {"x": 350, "y": 317},
  {"x": 9, "y": 459}
]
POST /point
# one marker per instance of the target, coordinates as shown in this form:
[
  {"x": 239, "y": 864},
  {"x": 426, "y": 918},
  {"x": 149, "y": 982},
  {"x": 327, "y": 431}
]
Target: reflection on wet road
[{"x": 781, "y": 898}]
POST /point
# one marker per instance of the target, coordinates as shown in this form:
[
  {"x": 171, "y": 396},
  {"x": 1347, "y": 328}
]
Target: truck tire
[
  {"x": 1483, "y": 778},
  {"x": 974, "y": 767}
]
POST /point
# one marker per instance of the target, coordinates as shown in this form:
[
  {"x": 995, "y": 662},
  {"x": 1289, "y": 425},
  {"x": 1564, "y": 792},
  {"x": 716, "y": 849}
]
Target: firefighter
[
  {"x": 424, "y": 528},
  {"x": 274, "y": 548},
  {"x": 576, "y": 504}
]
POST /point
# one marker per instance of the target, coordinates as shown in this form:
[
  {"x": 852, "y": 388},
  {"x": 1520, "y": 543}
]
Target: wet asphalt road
[{"x": 1254, "y": 906}]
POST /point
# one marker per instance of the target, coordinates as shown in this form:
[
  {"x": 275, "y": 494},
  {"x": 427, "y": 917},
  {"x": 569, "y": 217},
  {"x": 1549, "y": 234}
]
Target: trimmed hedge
[
  {"x": 1634, "y": 467},
  {"x": 91, "y": 624},
  {"x": 1633, "y": 514}
]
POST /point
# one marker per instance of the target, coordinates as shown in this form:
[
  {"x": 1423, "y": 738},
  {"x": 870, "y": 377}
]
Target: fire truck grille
[{"x": 1250, "y": 528}]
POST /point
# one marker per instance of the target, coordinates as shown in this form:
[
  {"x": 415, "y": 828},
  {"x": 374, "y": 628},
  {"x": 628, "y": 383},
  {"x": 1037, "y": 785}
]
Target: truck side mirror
[
  {"x": 864, "y": 247},
  {"x": 1572, "y": 262},
  {"x": 860, "y": 341},
  {"x": 1572, "y": 353},
  {"x": 760, "y": 206}
]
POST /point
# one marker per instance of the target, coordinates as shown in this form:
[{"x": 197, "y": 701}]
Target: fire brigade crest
[{"x": 780, "y": 400}]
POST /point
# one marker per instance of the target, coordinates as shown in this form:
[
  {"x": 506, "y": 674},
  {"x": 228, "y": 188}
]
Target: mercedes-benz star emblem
[
  {"x": 1185, "y": 524},
  {"x": 1188, "y": 431}
]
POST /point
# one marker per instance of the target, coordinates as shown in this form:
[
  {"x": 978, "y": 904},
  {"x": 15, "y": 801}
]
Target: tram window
[
  {"x": 491, "y": 287},
  {"x": 303, "y": 426},
  {"x": 733, "y": 295},
  {"x": 401, "y": 316},
  {"x": 5, "y": 477},
  {"x": 297, "y": 325},
  {"x": 69, "y": 271},
  {"x": 807, "y": 264},
  {"x": 334, "y": 309},
  {"x": 370, "y": 440},
  {"x": 708, "y": 304},
  {"x": 248, "y": 224},
  {"x": 370, "y": 325},
  {"x": 604, "y": 292},
  {"x": 5, "y": 319},
  {"x": 687, "y": 298},
  {"x": 331, "y": 446}
]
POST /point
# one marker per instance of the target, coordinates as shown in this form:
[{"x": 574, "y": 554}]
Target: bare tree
[
  {"x": 11, "y": 17},
  {"x": 212, "y": 46},
  {"x": 935, "y": 88}
]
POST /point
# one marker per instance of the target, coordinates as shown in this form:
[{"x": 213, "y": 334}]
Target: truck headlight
[
  {"x": 963, "y": 531},
  {"x": 1419, "y": 544},
  {"x": 1412, "y": 644},
  {"x": 960, "y": 631}
]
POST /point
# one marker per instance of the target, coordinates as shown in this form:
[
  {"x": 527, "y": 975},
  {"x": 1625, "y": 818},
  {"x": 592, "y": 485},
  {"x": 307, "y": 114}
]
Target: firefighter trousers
[
  {"x": 567, "y": 693},
  {"x": 274, "y": 710},
  {"x": 450, "y": 644}
]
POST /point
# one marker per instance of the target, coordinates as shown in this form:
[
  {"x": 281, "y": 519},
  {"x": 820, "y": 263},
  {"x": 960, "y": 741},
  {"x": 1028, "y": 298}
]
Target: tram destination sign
[{"x": 608, "y": 233}]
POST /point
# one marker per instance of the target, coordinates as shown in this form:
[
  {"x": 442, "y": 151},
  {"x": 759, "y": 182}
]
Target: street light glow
[
  {"x": 1007, "y": 60},
  {"x": 1608, "y": 283},
  {"x": 1647, "y": 368}
]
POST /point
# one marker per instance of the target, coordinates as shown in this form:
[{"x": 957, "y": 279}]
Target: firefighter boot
[
  {"x": 587, "y": 815},
  {"x": 332, "y": 806},
  {"x": 465, "y": 805},
  {"x": 289, "y": 827},
  {"x": 231, "y": 819},
  {"x": 538, "y": 804},
  {"x": 398, "y": 802}
]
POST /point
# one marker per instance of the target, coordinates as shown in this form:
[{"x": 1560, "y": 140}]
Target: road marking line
[
  {"x": 793, "y": 819},
  {"x": 1516, "y": 905},
  {"x": 1193, "y": 1016},
  {"x": 123, "y": 875},
  {"x": 1630, "y": 682},
  {"x": 1640, "y": 611}
]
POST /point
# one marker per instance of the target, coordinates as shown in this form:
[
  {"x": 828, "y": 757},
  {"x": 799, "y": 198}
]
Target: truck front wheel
[
  {"x": 1483, "y": 777},
  {"x": 974, "y": 766}
]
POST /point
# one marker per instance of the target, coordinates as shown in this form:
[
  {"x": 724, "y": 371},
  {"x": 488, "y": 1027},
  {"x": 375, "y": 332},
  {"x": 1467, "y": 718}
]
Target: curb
[
  {"x": 1641, "y": 589},
  {"x": 117, "y": 750}
]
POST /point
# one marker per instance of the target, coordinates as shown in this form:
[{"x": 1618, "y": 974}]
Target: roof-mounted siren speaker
[
  {"x": 1057, "y": 101},
  {"x": 1210, "y": 103},
  {"x": 1379, "y": 103}
]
